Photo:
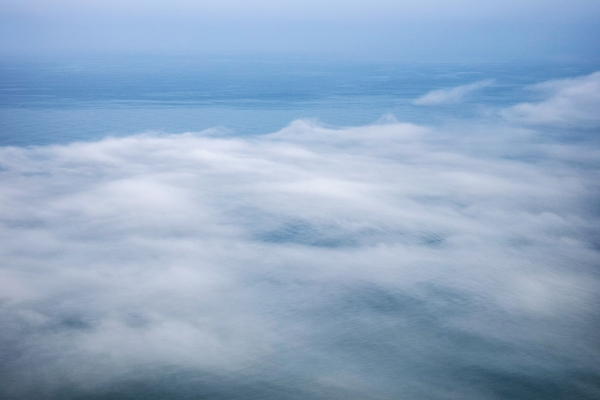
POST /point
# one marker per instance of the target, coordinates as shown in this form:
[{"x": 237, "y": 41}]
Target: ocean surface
[
  {"x": 222, "y": 228},
  {"x": 52, "y": 102}
]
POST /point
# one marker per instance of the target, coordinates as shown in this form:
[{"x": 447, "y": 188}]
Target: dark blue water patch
[
  {"x": 74, "y": 322},
  {"x": 422, "y": 306},
  {"x": 433, "y": 240},
  {"x": 426, "y": 303},
  {"x": 187, "y": 385},
  {"x": 166, "y": 384},
  {"x": 379, "y": 299},
  {"x": 521, "y": 384},
  {"x": 304, "y": 233}
]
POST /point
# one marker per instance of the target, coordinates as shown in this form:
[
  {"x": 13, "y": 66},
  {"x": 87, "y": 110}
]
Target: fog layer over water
[{"x": 391, "y": 260}]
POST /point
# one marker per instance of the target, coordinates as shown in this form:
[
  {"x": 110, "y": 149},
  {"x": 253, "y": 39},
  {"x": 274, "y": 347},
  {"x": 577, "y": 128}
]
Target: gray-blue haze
[{"x": 352, "y": 257}]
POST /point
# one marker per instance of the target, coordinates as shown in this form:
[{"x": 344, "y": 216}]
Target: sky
[{"x": 379, "y": 30}]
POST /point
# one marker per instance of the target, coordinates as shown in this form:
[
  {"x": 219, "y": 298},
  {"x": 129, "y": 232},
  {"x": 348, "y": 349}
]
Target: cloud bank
[
  {"x": 567, "y": 103},
  {"x": 450, "y": 96},
  {"x": 384, "y": 261}
]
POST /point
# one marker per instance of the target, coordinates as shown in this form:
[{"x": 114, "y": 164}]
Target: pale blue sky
[{"x": 430, "y": 30}]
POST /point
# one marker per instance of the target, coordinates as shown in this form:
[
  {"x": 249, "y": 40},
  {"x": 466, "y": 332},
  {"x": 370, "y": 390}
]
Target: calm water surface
[{"x": 60, "y": 102}]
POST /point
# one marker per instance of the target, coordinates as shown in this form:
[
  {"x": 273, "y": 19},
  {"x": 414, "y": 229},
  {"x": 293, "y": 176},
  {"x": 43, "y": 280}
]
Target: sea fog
[{"x": 334, "y": 231}]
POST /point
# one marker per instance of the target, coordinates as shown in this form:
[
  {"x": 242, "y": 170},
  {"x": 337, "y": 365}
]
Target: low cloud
[
  {"x": 451, "y": 96},
  {"x": 366, "y": 262},
  {"x": 566, "y": 103}
]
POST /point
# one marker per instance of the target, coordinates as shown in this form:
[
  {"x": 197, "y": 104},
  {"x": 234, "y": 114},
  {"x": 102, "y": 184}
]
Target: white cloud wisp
[
  {"x": 568, "y": 103},
  {"x": 450, "y": 96}
]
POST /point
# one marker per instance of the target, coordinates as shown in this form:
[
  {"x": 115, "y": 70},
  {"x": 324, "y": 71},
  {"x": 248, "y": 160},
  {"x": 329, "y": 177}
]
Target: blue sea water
[{"x": 49, "y": 102}]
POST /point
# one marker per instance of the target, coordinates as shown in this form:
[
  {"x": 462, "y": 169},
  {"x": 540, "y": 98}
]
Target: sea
[
  {"x": 278, "y": 228},
  {"x": 57, "y": 102}
]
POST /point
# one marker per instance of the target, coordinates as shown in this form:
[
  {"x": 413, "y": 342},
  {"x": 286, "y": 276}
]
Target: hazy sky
[{"x": 455, "y": 30}]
